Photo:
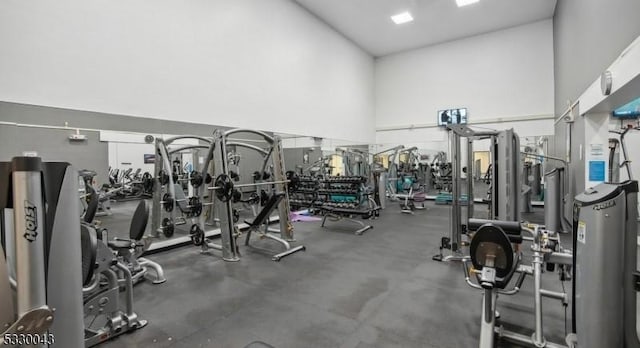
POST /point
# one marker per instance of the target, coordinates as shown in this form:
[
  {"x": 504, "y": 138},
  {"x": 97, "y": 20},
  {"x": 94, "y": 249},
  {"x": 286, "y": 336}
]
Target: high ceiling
[{"x": 368, "y": 22}]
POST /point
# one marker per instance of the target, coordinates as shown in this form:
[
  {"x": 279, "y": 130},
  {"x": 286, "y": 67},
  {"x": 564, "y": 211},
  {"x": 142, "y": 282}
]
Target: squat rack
[
  {"x": 163, "y": 164},
  {"x": 223, "y": 189}
]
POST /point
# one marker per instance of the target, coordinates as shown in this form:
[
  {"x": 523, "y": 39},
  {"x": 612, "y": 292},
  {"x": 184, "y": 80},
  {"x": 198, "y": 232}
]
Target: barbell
[
  {"x": 253, "y": 184},
  {"x": 195, "y": 178},
  {"x": 168, "y": 203},
  {"x": 224, "y": 186}
]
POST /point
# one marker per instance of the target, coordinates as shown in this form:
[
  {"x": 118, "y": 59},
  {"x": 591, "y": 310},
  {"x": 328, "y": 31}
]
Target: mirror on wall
[
  {"x": 134, "y": 169},
  {"x": 133, "y": 156},
  {"x": 322, "y": 156}
]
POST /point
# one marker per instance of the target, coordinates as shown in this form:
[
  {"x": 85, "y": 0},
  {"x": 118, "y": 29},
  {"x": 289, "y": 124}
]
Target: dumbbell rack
[
  {"x": 341, "y": 191},
  {"x": 305, "y": 195},
  {"x": 344, "y": 197}
]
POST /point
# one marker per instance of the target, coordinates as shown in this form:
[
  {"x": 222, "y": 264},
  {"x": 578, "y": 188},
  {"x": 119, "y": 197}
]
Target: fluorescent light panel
[
  {"x": 401, "y": 18},
  {"x": 465, "y": 2}
]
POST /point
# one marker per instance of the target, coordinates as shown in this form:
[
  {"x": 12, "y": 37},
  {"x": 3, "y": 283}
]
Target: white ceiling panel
[{"x": 368, "y": 22}]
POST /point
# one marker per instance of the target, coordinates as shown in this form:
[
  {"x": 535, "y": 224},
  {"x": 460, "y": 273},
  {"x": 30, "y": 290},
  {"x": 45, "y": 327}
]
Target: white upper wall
[
  {"x": 504, "y": 74},
  {"x": 242, "y": 63}
]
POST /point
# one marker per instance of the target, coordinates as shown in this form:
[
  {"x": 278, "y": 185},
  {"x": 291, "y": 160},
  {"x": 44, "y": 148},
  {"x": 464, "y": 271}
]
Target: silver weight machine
[
  {"x": 555, "y": 191},
  {"x": 223, "y": 188},
  {"x": 554, "y": 200},
  {"x": 40, "y": 272},
  {"x": 355, "y": 162},
  {"x": 494, "y": 261},
  {"x": 129, "y": 250},
  {"x": 105, "y": 279},
  {"x": 440, "y": 172},
  {"x": 605, "y": 270},
  {"x": 505, "y": 190},
  {"x": 383, "y": 178},
  {"x": 605, "y": 286},
  {"x": 525, "y": 197}
]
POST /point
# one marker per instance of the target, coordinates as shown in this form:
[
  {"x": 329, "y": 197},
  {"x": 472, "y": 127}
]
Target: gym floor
[{"x": 381, "y": 289}]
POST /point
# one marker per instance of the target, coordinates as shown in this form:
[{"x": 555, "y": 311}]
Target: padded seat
[
  {"x": 89, "y": 242},
  {"x": 347, "y": 211},
  {"x": 92, "y": 207},
  {"x": 121, "y": 244},
  {"x": 419, "y": 197},
  {"x": 266, "y": 211},
  {"x": 490, "y": 239},
  {"x": 181, "y": 199},
  {"x": 136, "y": 230},
  {"x": 86, "y": 173},
  {"x": 512, "y": 229},
  {"x": 139, "y": 221}
]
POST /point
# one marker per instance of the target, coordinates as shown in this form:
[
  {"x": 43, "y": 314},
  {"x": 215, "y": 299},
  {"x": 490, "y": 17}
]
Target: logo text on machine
[
  {"x": 606, "y": 205},
  {"x": 30, "y": 221}
]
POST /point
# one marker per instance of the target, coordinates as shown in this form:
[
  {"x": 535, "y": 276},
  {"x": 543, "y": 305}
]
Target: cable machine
[{"x": 505, "y": 182}]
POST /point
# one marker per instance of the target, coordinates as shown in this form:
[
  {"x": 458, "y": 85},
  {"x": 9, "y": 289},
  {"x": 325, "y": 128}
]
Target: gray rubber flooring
[{"x": 381, "y": 289}]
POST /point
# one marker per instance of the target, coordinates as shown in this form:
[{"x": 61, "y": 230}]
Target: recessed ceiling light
[
  {"x": 401, "y": 18},
  {"x": 465, "y": 2}
]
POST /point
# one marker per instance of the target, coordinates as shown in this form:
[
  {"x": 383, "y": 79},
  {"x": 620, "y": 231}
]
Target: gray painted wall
[
  {"x": 54, "y": 145},
  {"x": 588, "y": 35},
  {"x": 34, "y": 114}
]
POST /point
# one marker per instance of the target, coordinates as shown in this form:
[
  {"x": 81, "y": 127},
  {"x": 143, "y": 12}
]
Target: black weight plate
[
  {"x": 167, "y": 227},
  {"x": 168, "y": 202}
]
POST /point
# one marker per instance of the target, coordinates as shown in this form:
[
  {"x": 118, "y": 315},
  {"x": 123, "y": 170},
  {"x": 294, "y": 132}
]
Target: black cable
[{"x": 565, "y": 310}]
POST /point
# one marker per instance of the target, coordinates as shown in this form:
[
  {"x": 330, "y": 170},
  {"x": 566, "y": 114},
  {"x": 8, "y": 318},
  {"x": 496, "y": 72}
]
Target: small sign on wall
[
  {"x": 596, "y": 171},
  {"x": 597, "y": 150},
  {"x": 149, "y": 158}
]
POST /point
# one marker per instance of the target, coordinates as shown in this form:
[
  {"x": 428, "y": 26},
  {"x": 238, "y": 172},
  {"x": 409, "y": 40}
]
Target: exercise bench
[
  {"x": 263, "y": 220},
  {"x": 346, "y": 213}
]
